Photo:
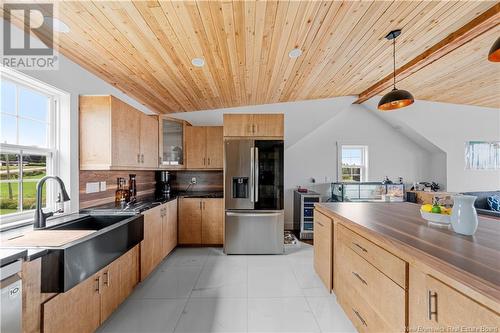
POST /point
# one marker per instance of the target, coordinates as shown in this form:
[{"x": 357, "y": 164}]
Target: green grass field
[{"x": 29, "y": 194}]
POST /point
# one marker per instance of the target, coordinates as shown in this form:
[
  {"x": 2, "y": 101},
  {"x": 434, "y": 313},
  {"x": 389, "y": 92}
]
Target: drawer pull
[
  {"x": 360, "y": 318},
  {"x": 360, "y": 247},
  {"x": 432, "y": 296},
  {"x": 98, "y": 288},
  {"x": 359, "y": 277},
  {"x": 321, "y": 224}
]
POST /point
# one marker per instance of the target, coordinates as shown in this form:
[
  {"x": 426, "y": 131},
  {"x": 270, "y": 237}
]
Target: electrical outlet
[
  {"x": 193, "y": 180},
  {"x": 92, "y": 187},
  {"x": 102, "y": 186}
]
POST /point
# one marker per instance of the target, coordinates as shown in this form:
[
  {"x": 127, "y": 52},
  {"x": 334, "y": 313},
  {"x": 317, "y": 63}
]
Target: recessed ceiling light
[
  {"x": 295, "y": 53},
  {"x": 198, "y": 62},
  {"x": 58, "y": 25}
]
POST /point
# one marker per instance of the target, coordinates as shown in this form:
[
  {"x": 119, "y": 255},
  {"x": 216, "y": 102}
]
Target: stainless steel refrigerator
[{"x": 254, "y": 221}]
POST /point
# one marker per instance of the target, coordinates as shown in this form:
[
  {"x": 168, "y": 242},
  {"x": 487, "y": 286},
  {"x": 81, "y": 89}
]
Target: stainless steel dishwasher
[{"x": 11, "y": 299}]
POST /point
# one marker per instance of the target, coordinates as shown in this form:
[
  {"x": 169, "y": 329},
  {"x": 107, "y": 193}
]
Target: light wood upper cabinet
[
  {"x": 323, "y": 248},
  {"x": 201, "y": 221},
  {"x": 172, "y": 141},
  {"x": 254, "y": 125},
  {"x": 114, "y": 135},
  {"x": 149, "y": 141},
  {"x": 77, "y": 310},
  {"x": 215, "y": 147},
  {"x": 211, "y": 221},
  {"x": 204, "y": 147},
  {"x": 196, "y": 143}
]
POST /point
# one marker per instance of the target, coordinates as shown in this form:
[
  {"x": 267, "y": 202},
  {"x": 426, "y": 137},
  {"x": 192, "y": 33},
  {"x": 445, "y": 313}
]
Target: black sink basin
[
  {"x": 92, "y": 222},
  {"x": 66, "y": 266}
]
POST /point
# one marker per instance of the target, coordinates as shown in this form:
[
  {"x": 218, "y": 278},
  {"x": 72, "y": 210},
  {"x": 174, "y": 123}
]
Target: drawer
[
  {"x": 386, "y": 262},
  {"x": 383, "y": 295},
  {"x": 361, "y": 314}
]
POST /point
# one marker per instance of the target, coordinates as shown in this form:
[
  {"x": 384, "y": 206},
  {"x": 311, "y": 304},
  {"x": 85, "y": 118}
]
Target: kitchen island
[{"x": 392, "y": 271}]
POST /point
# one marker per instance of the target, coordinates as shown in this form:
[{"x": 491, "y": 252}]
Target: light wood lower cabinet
[
  {"x": 211, "y": 221},
  {"x": 323, "y": 248},
  {"x": 151, "y": 244},
  {"x": 201, "y": 221},
  {"x": 435, "y": 306},
  {"x": 375, "y": 297},
  {"x": 86, "y": 306},
  {"x": 160, "y": 236}
]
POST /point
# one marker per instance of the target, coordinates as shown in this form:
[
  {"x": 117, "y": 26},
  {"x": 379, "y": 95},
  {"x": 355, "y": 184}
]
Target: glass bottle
[
  {"x": 121, "y": 194},
  {"x": 132, "y": 188}
]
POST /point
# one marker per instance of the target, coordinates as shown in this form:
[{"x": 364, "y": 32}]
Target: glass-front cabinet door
[{"x": 172, "y": 143}]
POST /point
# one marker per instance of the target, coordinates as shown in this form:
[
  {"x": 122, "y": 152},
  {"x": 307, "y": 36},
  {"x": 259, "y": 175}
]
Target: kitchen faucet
[{"x": 40, "y": 216}]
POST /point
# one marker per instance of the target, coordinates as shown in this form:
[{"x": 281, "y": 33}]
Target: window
[
  {"x": 29, "y": 150},
  {"x": 353, "y": 166},
  {"x": 481, "y": 155}
]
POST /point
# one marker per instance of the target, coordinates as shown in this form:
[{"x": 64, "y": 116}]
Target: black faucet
[{"x": 40, "y": 216}]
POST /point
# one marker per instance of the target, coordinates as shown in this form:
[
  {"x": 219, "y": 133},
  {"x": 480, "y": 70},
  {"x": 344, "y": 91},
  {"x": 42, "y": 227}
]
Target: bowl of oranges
[{"x": 436, "y": 214}]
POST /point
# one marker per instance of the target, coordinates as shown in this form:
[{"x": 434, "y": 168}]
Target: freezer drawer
[{"x": 254, "y": 232}]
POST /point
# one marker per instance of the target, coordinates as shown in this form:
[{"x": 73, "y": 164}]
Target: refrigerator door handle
[
  {"x": 253, "y": 214},
  {"x": 252, "y": 174},
  {"x": 256, "y": 172}
]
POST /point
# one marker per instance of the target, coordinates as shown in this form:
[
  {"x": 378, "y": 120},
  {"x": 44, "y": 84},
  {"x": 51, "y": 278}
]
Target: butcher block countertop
[
  {"x": 473, "y": 261},
  {"x": 47, "y": 238}
]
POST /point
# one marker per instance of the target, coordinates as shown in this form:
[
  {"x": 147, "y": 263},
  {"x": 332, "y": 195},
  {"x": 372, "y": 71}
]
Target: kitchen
[{"x": 180, "y": 147}]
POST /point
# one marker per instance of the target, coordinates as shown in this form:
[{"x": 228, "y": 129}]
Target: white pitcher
[{"x": 464, "y": 215}]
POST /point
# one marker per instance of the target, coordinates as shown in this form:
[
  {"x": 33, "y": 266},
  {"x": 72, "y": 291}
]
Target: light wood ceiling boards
[
  {"x": 470, "y": 31},
  {"x": 145, "y": 48}
]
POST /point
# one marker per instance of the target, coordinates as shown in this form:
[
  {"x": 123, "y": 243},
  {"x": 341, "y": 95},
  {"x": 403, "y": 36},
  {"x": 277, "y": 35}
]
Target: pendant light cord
[{"x": 394, "y": 60}]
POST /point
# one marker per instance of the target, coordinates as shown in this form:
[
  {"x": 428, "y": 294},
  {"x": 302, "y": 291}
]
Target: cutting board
[{"x": 49, "y": 238}]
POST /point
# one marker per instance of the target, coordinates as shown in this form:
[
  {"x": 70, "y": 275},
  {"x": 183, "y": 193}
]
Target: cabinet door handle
[
  {"x": 359, "y": 277},
  {"x": 360, "y": 318},
  {"x": 321, "y": 224},
  {"x": 98, "y": 288},
  {"x": 106, "y": 281},
  {"x": 253, "y": 128},
  {"x": 209, "y": 161},
  {"x": 203, "y": 160},
  {"x": 200, "y": 205},
  {"x": 138, "y": 158},
  {"x": 203, "y": 204},
  {"x": 432, "y": 296},
  {"x": 142, "y": 158},
  {"x": 360, "y": 247}
]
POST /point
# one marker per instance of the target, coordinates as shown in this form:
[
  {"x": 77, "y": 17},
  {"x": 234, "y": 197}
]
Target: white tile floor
[{"x": 203, "y": 290}]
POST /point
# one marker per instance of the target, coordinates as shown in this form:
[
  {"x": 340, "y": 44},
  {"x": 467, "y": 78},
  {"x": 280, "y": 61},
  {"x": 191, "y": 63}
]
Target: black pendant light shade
[
  {"x": 494, "y": 54},
  {"x": 396, "y": 98}
]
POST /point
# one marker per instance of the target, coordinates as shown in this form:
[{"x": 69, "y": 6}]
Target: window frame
[
  {"x": 363, "y": 167},
  {"x": 57, "y": 98}
]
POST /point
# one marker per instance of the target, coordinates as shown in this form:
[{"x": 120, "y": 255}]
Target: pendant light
[
  {"x": 397, "y": 98},
  {"x": 494, "y": 54}
]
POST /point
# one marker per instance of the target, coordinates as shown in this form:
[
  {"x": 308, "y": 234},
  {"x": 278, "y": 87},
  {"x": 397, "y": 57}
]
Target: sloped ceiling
[{"x": 145, "y": 49}]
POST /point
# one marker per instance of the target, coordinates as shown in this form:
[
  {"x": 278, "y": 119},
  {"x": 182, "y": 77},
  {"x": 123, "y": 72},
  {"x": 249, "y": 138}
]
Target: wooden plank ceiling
[{"x": 145, "y": 49}]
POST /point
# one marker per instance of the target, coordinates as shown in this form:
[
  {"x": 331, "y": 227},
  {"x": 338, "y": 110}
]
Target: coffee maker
[{"x": 162, "y": 184}]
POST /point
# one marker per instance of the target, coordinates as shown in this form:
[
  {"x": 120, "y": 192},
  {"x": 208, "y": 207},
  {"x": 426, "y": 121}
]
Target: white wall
[
  {"x": 312, "y": 130},
  {"x": 449, "y": 126},
  {"x": 76, "y": 81}
]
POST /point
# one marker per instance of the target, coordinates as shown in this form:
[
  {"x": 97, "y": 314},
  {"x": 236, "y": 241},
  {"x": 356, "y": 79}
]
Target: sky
[{"x": 28, "y": 124}]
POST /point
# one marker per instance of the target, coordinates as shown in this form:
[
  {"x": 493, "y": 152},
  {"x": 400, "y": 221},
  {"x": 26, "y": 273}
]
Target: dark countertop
[
  {"x": 148, "y": 202},
  {"x": 472, "y": 260}
]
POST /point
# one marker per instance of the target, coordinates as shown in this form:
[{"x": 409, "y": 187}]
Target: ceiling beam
[{"x": 481, "y": 24}]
